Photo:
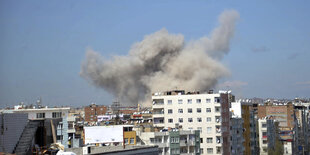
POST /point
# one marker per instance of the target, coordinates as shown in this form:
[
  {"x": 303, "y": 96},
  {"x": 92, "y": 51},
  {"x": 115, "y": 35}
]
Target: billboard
[{"x": 103, "y": 134}]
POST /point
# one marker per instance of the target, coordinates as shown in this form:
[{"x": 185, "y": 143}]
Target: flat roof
[{"x": 42, "y": 109}]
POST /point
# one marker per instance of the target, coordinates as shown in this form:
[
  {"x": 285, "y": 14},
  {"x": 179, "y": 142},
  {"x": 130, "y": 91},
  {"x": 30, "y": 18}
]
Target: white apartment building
[
  {"x": 208, "y": 113},
  {"x": 263, "y": 143}
]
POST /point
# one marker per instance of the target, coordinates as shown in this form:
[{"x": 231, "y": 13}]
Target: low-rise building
[
  {"x": 110, "y": 135},
  {"x": 173, "y": 142},
  {"x": 92, "y": 111}
]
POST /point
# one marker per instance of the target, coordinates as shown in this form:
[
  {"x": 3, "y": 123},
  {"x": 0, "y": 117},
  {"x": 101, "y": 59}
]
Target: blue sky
[{"x": 42, "y": 44}]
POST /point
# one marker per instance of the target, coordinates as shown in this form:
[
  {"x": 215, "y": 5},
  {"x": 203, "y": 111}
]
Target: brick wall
[{"x": 92, "y": 111}]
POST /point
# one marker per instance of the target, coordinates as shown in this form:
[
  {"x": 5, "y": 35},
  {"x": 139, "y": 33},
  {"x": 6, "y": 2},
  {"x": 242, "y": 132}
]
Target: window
[
  {"x": 56, "y": 114},
  {"x": 40, "y": 115},
  {"x": 170, "y": 120},
  {"x": 264, "y": 125},
  {"x": 265, "y": 142},
  {"x": 126, "y": 140},
  {"x": 170, "y": 111},
  {"x": 132, "y": 141},
  {"x": 175, "y": 151},
  {"x": 209, "y": 129},
  {"x": 210, "y": 140},
  {"x": 190, "y": 128},
  {"x": 208, "y": 109},
  {"x": 169, "y": 101},
  {"x": 199, "y": 119},
  {"x": 208, "y": 119},
  {"x": 200, "y": 129},
  {"x": 264, "y": 133},
  {"x": 180, "y": 120},
  {"x": 174, "y": 140},
  {"x": 59, "y": 137},
  {"x": 217, "y": 100},
  {"x": 210, "y": 150},
  {"x": 217, "y": 109},
  {"x": 198, "y": 100},
  {"x": 189, "y": 110},
  {"x": 59, "y": 126},
  {"x": 208, "y": 100},
  {"x": 190, "y": 119},
  {"x": 201, "y": 151},
  {"x": 218, "y": 119},
  {"x": 189, "y": 101},
  {"x": 201, "y": 140},
  {"x": 218, "y": 150},
  {"x": 180, "y": 110},
  {"x": 180, "y": 101},
  {"x": 198, "y": 110}
]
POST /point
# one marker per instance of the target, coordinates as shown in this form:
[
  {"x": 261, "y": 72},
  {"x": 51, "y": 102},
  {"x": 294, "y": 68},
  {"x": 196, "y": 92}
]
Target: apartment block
[
  {"x": 236, "y": 129},
  {"x": 173, "y": 142},
  {"x": 92, "y": 111},
  {"x": 268, "y": 135},
  {"x": 247, "y": 110},
  {"x": 283, "y": 113},
  {"x": 208, "y": 113}
]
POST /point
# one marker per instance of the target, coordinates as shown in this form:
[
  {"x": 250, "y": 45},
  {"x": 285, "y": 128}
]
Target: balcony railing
[{"x": 158, "y": 112}]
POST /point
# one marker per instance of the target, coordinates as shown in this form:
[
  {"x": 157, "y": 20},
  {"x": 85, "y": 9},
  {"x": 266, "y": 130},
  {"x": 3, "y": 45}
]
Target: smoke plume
[{"x": 161, "y": 62}]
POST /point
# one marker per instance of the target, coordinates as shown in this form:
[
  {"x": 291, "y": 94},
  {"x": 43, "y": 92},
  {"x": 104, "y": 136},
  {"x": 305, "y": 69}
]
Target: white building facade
[
  {"x": 262, "y": 131},
  {"x": 208, "y": 113}
]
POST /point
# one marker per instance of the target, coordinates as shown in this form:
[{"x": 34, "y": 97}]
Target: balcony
[
  {"x": 187, "y": 132},
  {"x": 71, "y": 130},
  {"x": 161, "y": 145},
  {"x": 158, "y": 103},
  {"x": 218, "y": 140},
  {"x": 183, "y": 142},
  {"x": 158, "y": 113},
  {"x": 218, "y": 120},
  {"x": 159, "y": 122},
  {"x": 71, "y": 119},
  {"x": 218, "y": 130},
  {"x": 161, "y": 133},
  {"x": 218, "y": 150}
]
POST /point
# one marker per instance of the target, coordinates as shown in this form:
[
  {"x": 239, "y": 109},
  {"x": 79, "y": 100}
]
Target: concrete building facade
[
  {"x": 173, "y": 142},
  {"x": 11, "y": 128},
  {"x": 268, "y": 134},
  {"x": 58, "y": 117},
  {"x": 208, "y": 113}
]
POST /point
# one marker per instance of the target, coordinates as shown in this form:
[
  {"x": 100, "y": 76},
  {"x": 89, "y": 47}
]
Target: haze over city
[{"x": 43, "y": 45}]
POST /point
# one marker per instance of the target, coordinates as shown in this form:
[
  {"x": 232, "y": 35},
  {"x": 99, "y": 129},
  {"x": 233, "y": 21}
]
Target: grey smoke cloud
[{"x": 163, "y": 61}]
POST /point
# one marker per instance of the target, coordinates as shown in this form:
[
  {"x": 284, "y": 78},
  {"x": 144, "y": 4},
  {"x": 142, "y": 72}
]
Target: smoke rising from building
[{"x": 161, "y": 62}]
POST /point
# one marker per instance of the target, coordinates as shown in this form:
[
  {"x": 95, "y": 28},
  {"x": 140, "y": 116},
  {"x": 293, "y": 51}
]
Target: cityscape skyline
[{"x": 43, "y": 45}]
